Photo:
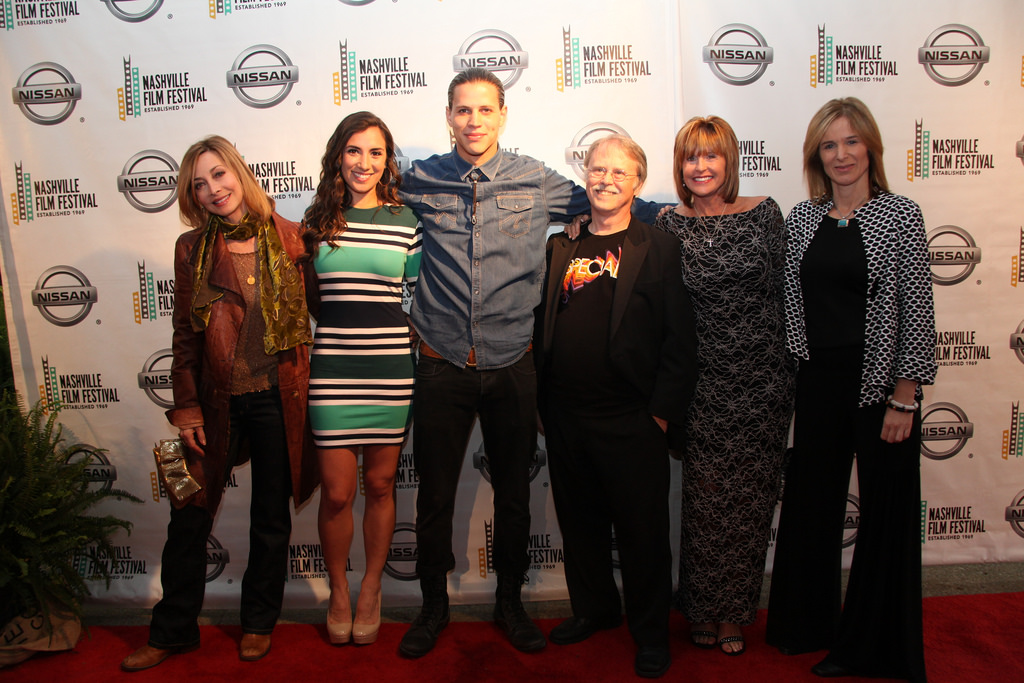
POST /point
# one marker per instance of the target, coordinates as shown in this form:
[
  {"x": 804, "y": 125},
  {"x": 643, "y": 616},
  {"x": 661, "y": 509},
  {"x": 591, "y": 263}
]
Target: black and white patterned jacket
[{"x": 900, "y": 319}]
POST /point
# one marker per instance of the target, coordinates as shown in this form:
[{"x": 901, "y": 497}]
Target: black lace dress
[{"x": 740, "y": 415}]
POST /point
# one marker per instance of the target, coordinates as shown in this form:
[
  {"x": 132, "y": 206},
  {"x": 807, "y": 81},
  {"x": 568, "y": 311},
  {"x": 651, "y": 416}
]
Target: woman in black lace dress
[{"x": 732, "y": 252}]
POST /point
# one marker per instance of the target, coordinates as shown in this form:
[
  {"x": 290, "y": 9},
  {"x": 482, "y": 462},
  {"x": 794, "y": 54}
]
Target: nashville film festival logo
[
  {"x": 953, "y": 523},
  {"x": 46, "y": 93},
  {"x": 406, "y": 477},
  {"x": 74, "y": 391},
  {"x": 1016, "y": 261},
  {"x": 149, "y": 93},
  {"x": 1013, "y": 438},
  {"x": 495, "y": 51},
  {"x": 36, "y": 12},
  {"x": 851, "y": 522},
  {"x": 64, "y": 295},
  {"x": 945, "y": 431},
  {"x": 47, "y": 198},
  {"x": 306, "y": 561},
  {"x": 123, "y": 9},
  {"x": 1020, "y": 143},
  {"x": 755, "y": 162},
  {"x": 738, "y": 63},
  {"x": 953, "y": 54},
  {"x": 374, "y": 77},
  {"x": 959, "y": 347},
  {"x": 596, "y": 64},
  {"x": 280, "y": 179},
  {"x": 119, "y": 562},
  {"x": 846, "y": 63},
  {"x": 586, "y": 136},
  {"x": 154, "y": 299},
  {"x": 945, "y": 156},
  {"x": 952, "y": 254},
  {"x": 262, "y": 76},
  {"x": 223, "y": 7},
  {"x": 155, "y": 378},
  {"x": 402, "y": 555},
  {"x": 149, "y": 181}
]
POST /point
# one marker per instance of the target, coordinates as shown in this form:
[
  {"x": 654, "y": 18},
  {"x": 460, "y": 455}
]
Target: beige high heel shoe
[
  {"x": 364, "y": 634},
  {"x": 340, "y": 632}
]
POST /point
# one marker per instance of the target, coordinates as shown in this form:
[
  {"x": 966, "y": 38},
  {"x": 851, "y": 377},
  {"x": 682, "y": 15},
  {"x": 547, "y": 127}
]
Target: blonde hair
[
  {"x": 863, "y": 124},
  {"x": 704, "y": 134},
  {"x": 260, "y": 206},
  {"x": 627, "y": 145}
]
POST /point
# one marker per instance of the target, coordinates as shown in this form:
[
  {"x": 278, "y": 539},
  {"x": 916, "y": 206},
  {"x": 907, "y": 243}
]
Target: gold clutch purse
[{"x": 172, "y": 467}]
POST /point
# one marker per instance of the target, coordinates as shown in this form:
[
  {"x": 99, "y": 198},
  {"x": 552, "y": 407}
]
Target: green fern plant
[{"x": 46, "y": 530}]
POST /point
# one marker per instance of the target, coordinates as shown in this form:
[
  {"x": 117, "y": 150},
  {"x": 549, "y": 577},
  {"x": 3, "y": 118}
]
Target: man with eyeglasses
[
  {"x": 485, "y": 216},
  {"x": 617, "y": 361}
]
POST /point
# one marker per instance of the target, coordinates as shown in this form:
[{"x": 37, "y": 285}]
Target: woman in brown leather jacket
[{"x": 240, "y": 376}]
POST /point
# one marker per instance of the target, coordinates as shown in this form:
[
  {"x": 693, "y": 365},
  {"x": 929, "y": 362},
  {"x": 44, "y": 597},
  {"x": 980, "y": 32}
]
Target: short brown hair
[
  {"x": 259, "y": 205},
  {"x": 863, "y": 124},
  {"x": 707, "y": 134}
]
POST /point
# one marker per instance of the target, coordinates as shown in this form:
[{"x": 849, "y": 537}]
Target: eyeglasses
[{"x": 618, "y": 175}]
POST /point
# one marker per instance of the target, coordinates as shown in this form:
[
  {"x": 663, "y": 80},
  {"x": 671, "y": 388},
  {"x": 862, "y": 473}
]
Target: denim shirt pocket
[
  {"x": 441, "y": 209},
  {"x": 515, "y": 211}
]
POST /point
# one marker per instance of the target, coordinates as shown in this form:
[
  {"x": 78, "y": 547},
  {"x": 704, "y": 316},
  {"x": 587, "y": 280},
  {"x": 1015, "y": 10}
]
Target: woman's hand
[
  {"x": 896, "y": 425},
  {"x": 194, "y": 438}
]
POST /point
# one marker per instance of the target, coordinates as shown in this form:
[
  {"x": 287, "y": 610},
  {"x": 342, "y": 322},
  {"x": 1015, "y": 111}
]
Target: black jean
[
  {"x": 256, "y": 418},
  {"x": 448, "y": 399}
]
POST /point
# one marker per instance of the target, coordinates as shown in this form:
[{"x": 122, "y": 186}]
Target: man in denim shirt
[{"x": 485, "y": 216}]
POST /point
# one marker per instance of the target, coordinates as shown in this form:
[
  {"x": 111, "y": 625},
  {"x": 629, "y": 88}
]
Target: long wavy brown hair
[{"x": 324, "y": 220}]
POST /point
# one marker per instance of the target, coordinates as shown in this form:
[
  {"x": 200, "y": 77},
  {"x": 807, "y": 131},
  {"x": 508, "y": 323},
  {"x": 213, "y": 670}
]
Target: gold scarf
[{"x": 282, "y": 297}]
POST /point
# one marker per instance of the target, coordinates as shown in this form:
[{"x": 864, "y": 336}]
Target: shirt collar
[{"x": 488, "y": 171}]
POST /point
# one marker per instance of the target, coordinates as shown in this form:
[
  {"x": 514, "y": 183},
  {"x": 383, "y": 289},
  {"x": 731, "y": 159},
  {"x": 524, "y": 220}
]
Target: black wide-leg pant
[{"x": 878, "y": 630}]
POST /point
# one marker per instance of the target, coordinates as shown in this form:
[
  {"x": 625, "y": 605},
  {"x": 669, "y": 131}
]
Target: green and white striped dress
[{"x": 362, "y": 365}]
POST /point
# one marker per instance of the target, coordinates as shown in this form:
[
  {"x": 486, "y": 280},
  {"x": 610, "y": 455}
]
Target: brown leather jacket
[{"x": 201, "y": 371}]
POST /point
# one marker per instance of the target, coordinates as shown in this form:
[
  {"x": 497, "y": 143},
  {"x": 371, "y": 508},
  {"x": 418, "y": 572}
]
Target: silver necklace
[
  {"x": 704, "y": 227},
  {"x": 844, "y": 217}
]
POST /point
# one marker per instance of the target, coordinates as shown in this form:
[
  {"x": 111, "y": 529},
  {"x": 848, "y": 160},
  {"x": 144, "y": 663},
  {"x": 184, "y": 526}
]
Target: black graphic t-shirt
[{"x": 581, "y": 377}]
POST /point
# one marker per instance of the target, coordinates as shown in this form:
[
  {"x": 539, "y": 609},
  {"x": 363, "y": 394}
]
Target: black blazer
[{"x": 652, "y": 341}]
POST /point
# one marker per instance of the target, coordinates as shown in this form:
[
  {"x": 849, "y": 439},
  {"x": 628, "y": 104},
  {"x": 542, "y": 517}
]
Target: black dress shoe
[
  {"x": 827, "y": 669},
  {"x": 652, "y": 662},
  {"x": 578, "y": 629}
]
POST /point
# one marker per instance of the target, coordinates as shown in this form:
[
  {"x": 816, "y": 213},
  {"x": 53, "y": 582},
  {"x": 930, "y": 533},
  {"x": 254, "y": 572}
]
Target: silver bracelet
[{"x": 901, "y": 407}]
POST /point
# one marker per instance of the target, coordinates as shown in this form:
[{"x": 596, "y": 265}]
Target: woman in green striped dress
[{"x": 364, "y": 245}]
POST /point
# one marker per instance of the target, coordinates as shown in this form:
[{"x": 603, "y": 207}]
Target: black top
[
  {"x": 581, "y": 374},
  {"x": 834, "y": 277}
]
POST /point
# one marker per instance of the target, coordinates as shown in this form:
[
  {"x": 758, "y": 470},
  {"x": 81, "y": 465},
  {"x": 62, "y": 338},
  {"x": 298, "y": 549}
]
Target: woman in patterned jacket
[{"x": 860, "y": 319}]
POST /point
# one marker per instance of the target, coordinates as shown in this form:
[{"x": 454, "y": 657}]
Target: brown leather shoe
[
  {"x": 254, "y": 646},
  {"x": 146, "y": 657}
]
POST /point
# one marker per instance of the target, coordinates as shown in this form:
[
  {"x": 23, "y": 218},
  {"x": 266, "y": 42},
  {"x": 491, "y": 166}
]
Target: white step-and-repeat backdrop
[{"x": 105, "y": 96}]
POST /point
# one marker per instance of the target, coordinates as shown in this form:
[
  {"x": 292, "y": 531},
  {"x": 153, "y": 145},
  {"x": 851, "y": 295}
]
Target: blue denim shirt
[{"x": 479, "y": 283}]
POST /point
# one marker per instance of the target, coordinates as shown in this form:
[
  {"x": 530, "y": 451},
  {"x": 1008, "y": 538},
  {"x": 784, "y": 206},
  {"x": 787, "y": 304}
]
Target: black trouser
[
  {"x": 613, "y": 473},
  {"x": 256, "y": 417},
  {"x": 448, "y": 399},
  {"x": 878, "y": 631}
]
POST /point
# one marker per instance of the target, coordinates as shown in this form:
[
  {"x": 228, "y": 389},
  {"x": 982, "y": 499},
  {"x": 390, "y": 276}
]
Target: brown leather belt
[{"x": 470, "y": 362}]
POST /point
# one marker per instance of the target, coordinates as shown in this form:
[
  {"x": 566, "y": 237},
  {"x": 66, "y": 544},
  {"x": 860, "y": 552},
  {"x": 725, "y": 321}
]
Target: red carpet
[{"x": 968, "y": 639}]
